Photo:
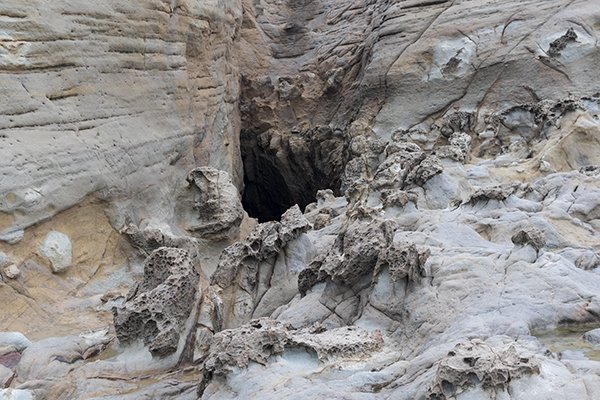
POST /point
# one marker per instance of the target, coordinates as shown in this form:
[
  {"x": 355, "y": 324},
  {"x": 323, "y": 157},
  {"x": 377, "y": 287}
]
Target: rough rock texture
[
  {"x": 443, "y": 155},
  {"x": 256, "y": 276},
  {"x": 264, "y": 338},
  {"x": 157, "y": 308},
  {"x": 216, "y": 203},
  {"x": 476, "y": 363}
]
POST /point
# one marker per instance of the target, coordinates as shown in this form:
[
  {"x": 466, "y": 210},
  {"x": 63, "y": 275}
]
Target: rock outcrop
[
  {"x": 369, "y": 199},
  {"x": 216, "y": 203},
  {"x": 157, "y": 307},
  {"x": 151, "y": 93},
  {"x": 257, "y": 275},
  {"x": 476, "y": 363}
]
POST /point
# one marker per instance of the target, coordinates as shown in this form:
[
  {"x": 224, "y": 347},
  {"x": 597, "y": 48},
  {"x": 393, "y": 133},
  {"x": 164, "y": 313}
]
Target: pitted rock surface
[
  {"x": 477, "y": 363},
  {"x": 263, "y": 338},
  {"x": 157, "y": 308}
]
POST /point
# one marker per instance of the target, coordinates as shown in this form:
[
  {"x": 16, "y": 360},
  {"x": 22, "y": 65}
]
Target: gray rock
[
  {"x": 259, "y": 340},
  {"x": 6, "y": 376},
  {"x": 15, "y": 339},
  {"x": 4, "y": 259},
  {"x": 476, "y": 363},
  {"x": 561, "y": 43},
  {"x": 158, "y": 306},
  {"x": 592, "y": 337},
  {"x": 12, "y": 236},
  {"x": 530, "y": 236},
  {"x": 16, "y": 394},
  {"x": 217, "y": 208}
]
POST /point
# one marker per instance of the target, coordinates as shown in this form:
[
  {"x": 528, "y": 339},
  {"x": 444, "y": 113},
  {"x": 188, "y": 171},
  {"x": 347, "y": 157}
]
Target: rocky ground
[{"x": 235, "y": 199}]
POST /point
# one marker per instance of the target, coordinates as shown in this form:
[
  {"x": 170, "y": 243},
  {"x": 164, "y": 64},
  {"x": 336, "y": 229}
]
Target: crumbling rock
[
  {"x": 263, "y": 338},
  {"x": 476, "y": 363},
  {"x": 356, "y": 251},
  {"x": 398, "y": 198},
  {"x": 149, "y": 239},
  {"x": 499, "y": 193},
  {"x": 216, "y": 202},
  {"x": 557, "y": 46},
  {"x": 245, "y": 269},
  {"x": 361, "y": 250},
  {"x": 403, "y": 261},
  {"x": 157, "y": 308},
  {"x": 427, "y": 169},
  {"x": 264, "y": 242},
  {"x": 255, "y": 342},
  {"x": 457, "y": 121},
  {"x": 530, "y": 236},
  {"x": 401, "y": 166},
  {"x": 590, "y": 170}
]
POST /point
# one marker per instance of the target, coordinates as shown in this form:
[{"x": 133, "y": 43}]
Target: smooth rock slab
[
  {"x": 592, "y": 337},
  {"x": 15, "y": 394},
  {"x": 57, "y": 248},
  {"x": 15, "y": 339}
]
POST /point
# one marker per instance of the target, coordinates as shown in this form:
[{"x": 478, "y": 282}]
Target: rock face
[
  {"x": 256, "y": 276},
  {"x": 151, "y": 92},
  {"x": 157, "y": 308},
  {"x": 263, "y": 338},
  {"x": 423, "y": 179},
  {"x": 476, "y": 363},
  {"x": 216, "y": 202}
]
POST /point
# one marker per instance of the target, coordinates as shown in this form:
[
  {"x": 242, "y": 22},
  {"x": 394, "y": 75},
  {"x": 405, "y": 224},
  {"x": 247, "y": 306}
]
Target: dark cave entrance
[
  {"x": 282, "y": 170},
  {"x": 266, "y": 193}
]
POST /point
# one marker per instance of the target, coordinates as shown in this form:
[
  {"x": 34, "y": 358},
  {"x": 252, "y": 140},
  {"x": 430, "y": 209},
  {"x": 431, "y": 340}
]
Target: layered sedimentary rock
[
  {"x": 114, "y": 100},
  {"x": 425, "y": 176}
]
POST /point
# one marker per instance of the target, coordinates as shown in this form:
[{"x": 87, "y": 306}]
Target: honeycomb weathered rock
[{"x": 158, "y": 307}]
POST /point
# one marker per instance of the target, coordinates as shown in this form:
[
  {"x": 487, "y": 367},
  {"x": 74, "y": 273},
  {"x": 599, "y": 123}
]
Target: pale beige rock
[
  {"x": 12, "y": 271},
  {"x": 118, "y": 100}
]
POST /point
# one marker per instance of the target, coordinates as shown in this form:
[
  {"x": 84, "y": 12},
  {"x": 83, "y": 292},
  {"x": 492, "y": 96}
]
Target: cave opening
[{"x": 284, "y": 170}]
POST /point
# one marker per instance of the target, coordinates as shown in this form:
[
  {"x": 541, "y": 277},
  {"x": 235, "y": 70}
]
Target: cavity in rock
[{"x": 282, "y": 170}]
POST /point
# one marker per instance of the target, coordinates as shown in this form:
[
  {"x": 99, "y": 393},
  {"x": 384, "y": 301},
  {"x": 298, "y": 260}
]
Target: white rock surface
[
  {"x": 57, "y": 248},
  {"x": 12, "y": 271},
  {"x": 15, "y": 339},
  {"x": 16, "y": 394}
]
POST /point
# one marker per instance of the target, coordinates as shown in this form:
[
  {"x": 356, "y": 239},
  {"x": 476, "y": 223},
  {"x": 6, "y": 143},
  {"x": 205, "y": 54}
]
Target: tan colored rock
[
  {"x": 216, "y": 209},
  {"x": 118, "y": 100}
]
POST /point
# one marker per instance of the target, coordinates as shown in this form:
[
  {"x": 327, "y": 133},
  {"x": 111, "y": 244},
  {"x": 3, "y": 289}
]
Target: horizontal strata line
[
  {"x": 64, "y": 123},
  {"x": 95, "y": 37},
  {"x": 424, "y": 4},
  {"x": 13, "y": 16}
]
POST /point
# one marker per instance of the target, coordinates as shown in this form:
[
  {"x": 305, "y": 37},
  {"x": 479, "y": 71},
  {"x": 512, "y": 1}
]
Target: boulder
[{"x": 58, "y": 250}]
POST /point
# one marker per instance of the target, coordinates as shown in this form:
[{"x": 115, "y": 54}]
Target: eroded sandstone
[{"x": 158, "y": 306}]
